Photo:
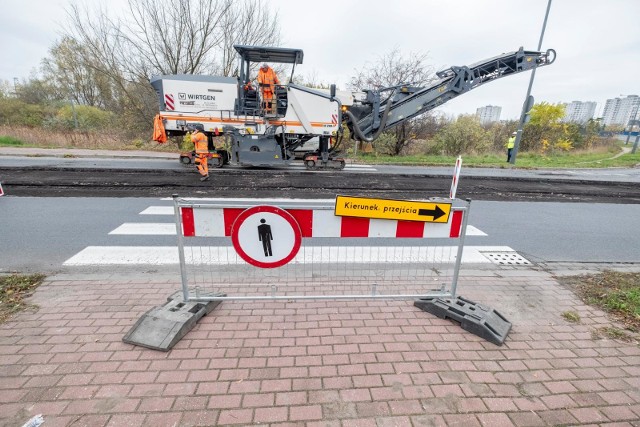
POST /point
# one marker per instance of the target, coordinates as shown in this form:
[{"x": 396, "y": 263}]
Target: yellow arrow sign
[{"x": 406, "y": 210}]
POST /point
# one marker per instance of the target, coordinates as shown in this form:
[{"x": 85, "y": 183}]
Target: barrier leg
[{"x": 478, "y": 319}]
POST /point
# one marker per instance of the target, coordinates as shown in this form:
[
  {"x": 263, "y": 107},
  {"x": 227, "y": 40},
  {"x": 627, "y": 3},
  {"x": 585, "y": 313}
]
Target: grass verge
[
  {"x": 10, "y": 141},
  {"x": 613, "y": 292},
  {"x": 599, "y": 159},
  {"x": 14, "y": 290}
]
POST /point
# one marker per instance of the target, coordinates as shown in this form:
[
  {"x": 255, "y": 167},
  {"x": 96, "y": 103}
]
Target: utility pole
[
  {"x": 628, "y": 131},
  {"x": 633, "y": 120},
  {"x": 636, "y": 121},
  {"x": 528, "y": 100},
  {"x": 75, "y": 115},
  {"x": 635, "y": 143}
]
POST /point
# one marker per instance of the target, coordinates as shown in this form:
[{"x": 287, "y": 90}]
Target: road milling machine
[{"x": 256, "y": 136}]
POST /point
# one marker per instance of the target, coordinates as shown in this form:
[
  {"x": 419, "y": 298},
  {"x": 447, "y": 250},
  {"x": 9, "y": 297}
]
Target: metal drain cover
[{"x": 506, "y": 258}]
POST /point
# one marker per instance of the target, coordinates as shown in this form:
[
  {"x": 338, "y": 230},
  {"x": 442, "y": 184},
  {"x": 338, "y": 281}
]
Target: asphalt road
[
  {"x": 96, "y": 173},
  {"x": 78, "y": 181},
  {"x": 169, "y": 162},
  {"x": 56, "y": 206},
  {"x": 40, "y": 233}
]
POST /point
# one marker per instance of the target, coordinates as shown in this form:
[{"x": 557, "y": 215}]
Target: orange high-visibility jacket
[
  {"x": 159, "y": 133},
  {"x": 268, "y": 79},
  {"x": 199, "y": 139}
]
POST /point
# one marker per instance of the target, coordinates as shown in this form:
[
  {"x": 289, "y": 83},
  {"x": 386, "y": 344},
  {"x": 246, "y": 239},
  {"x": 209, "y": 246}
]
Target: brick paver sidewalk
[{"x": 326, "y": 363}]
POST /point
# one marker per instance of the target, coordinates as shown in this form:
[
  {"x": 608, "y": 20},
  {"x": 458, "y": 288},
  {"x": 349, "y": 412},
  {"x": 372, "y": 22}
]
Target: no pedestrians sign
[{"x": 266, "y": 236}]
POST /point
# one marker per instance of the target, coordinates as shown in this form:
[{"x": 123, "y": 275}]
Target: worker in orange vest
[
  {"x": 267, "y": 80},
  {"x": 201, "y": 144}
]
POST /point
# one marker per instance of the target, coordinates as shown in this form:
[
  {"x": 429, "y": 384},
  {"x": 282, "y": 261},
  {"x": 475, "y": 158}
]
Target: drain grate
[{"x": 507, "y": 258}]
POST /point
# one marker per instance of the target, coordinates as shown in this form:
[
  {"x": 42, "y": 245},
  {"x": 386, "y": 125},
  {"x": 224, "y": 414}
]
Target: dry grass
[
  {"x": 14, "y": 290},
  {"x": 45, "y": 138},
  {"x": 571, "y": 316},
  {"x": 611, "y": 332},
  {"x": 614, "y": 292}
]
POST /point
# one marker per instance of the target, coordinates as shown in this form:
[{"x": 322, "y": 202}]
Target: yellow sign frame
[{"x": 403, "y": 210}]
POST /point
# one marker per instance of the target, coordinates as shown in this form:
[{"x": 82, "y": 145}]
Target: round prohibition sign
[{"x": 266, "y": 236}]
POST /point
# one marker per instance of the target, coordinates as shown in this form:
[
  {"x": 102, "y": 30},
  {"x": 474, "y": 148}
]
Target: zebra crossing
[{"x": 163, "y": 224}]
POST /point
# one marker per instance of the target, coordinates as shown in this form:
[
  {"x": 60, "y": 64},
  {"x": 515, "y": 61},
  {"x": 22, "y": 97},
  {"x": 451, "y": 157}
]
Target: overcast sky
[{"x": 597, "y": 42}]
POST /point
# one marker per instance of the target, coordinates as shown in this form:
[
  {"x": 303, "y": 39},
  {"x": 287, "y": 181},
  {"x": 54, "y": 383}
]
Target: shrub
[
  {"x": 14, "y": 112},
  {"x": 88, "y": 118}
]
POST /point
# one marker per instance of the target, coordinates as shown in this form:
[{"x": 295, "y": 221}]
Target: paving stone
[{"x": 329, "y": 363}]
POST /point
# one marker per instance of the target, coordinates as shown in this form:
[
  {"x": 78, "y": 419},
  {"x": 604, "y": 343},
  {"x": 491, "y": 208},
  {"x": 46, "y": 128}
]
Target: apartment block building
[
  {"x": 489, "y": 114},
  {"x": 618, "y": 111},
  {"x": 579, "y": 112}
]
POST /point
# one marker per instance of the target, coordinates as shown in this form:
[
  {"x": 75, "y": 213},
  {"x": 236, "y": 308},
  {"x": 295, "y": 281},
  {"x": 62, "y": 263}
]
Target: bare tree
[
  {"x": 67, "y": 70},
  {"x": 157, "y": 37},
  {"x": 390, "y": 70},
  {"x": 177, "y": 37},
  {"x": 393, "y": 69},
  {"x": 106, "y": 51},
  {"x": 6, "y": 89},
  {"x": 248, "y": 22}
]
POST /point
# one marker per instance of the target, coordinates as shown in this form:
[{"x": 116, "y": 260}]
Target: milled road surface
[{"x": 89, "y": 182}]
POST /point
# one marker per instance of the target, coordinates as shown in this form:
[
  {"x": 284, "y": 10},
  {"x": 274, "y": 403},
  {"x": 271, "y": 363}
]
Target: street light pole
[
  {"x": 635, "y": 144},
  {"x": 75, "y": 116},
  {"x": 633, "y": 120},
  {"x": 528, "y": 100}
]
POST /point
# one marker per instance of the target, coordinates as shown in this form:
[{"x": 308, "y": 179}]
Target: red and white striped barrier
[{"x": 218, "y": 222}]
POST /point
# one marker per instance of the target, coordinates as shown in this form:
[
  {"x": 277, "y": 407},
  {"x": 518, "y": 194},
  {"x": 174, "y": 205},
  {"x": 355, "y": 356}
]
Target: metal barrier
[{"x": 302, "y": 250}]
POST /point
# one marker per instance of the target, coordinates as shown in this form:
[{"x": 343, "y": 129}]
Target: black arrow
[{"x": 435, "y": 213}]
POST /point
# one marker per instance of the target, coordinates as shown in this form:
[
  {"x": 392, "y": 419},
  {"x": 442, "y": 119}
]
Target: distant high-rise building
[
  {"x": 618, "y": 111},
  {"x": 489, "y": 114},
  {"x": 579, "y": 112}
]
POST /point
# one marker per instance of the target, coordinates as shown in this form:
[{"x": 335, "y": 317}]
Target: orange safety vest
[
  {"x": 268, "y": 79},
  {"x": 159, "y": 134},
  {"x": 199, "y": 139}
]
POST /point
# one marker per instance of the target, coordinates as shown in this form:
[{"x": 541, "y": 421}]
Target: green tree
[
  {"x": 592, "y": 132},
  {"x": 499, "y": 133},
  {"x": 545, "y": 128},
  {"x": 463, "y": 136},
  {"x": 36, "y": 90},
  {"x": 89, "y": 118},
  {"x": 15, "y": 112}
]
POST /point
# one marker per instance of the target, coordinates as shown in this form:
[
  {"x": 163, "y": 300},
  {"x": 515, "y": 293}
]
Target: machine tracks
[{"x": 64, "y": 182}]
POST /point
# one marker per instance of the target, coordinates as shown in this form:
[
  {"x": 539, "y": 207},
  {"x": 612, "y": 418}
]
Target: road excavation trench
[{"x": 65, "y": 182}]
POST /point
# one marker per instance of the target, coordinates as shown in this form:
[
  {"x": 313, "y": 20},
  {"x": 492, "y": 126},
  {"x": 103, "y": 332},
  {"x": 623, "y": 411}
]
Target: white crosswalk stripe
[
  {"x": 168, "y": 255},
  {"x": 221, "y": 255},
  {"x": 146, "y": 229}
]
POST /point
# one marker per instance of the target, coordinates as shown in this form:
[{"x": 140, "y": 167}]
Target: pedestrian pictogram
[{"x": 266, "y": 236}]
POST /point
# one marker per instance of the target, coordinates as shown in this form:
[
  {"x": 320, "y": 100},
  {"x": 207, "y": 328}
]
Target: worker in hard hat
[
  {"x": 267, "y": 79},
  {"x": 201, "y": 144},
  {"x": 510, "y": 144}
]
